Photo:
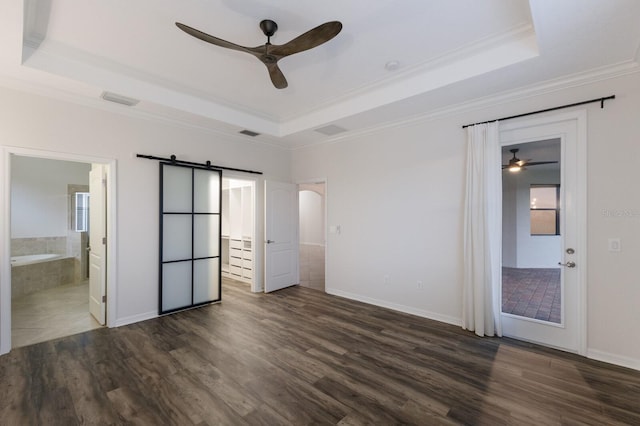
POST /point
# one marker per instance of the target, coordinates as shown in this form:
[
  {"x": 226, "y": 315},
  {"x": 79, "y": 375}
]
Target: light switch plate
[{"x": 614, "y": 244}]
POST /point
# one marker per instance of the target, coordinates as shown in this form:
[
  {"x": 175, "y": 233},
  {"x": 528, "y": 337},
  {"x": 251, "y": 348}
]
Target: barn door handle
[{"x": 568, "y": 264}]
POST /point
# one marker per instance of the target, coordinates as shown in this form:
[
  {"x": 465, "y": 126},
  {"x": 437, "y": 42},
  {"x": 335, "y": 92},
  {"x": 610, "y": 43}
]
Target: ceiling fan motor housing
[{"x": 268, "y": 27}]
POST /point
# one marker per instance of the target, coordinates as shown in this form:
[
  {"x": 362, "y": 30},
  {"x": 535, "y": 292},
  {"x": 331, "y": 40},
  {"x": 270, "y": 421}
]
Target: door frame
[
  {"x": 257, "y": 242},
  {"x": 5, "y": 230},
  {"x": 326, "y": 223},
  {"x": 579, "y": 205}
]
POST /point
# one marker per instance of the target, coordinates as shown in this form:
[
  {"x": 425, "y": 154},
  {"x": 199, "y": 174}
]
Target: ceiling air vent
[
  {"x": 119, "y": 99},
  {"x": 331, "y": 130},
  {"x": 249, "y": 133}
]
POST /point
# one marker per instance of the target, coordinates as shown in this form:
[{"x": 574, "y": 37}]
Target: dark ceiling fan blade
[
  {"x": 277, "y": 77},
  {"x": 211, "y": 39},
  {"x": 312, "y": 38},
  {"x": 270, "y": 54},
  {"x": 537, "y": 163},
  {"x": 522, "y": 164}
]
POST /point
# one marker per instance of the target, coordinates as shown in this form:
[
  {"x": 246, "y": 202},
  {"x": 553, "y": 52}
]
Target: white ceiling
[{"x": 449, "y": 53}]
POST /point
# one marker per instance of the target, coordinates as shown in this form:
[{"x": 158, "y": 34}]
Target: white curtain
[{"x": 483, "y": 231}]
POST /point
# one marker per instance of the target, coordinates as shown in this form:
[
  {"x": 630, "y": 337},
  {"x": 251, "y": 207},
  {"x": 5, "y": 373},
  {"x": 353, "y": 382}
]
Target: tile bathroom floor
[
  {"x": 312, "y": 266},
  {"x": 49, "y": 314}
]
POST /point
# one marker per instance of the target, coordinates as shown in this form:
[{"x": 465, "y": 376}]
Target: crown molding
[
  {"x": 550, "y": 86},
  {"x": 547, "y": 87},
  {"x": 69, "y": 62},
  {"x": 519, "y": 32},
  {"x": 472, "y": 60}
]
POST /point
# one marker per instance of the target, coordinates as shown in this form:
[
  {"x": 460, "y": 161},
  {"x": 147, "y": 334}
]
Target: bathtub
[
  {"x": 37, "y": 272},
  {"x": 33, "y": 258}
]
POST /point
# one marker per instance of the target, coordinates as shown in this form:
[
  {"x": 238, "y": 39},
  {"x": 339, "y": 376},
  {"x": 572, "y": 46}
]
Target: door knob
[
  {"x": 568, "y": 264},
  {"x": 270, "y": 241}
]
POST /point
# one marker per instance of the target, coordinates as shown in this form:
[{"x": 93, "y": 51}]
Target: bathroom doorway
[
  {"x": 51, "y": 220},
  {"x": 312, "y": 234}
]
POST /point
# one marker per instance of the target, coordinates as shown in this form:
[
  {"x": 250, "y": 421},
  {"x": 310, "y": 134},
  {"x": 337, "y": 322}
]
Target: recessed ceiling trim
[
  {"x": 533, "y": 90},
  {"x": 522, "y": 35},
  {"x": 66, "y": 61},
  {"x": 449, "y": 72},
  {"x": 70, "y": 63}
]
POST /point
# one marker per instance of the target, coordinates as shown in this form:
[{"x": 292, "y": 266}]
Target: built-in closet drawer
[
  {"x": 246, "y": 264},
  {"x": 234, "y": 252},
  {"x": 235, "y": 261},
  {"x": 235, "y": 270},
  {"x": 235, "y": 244},
  {"x": 247, "y": 273},
  {"x": 247, "y": 255}
]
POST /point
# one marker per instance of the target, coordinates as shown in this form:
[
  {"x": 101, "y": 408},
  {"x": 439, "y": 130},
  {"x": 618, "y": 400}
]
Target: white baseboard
[
  {"x": 610, "y": 358},
  {"x": 136, "y": 318},
  {"x": 396, "y": 307}
]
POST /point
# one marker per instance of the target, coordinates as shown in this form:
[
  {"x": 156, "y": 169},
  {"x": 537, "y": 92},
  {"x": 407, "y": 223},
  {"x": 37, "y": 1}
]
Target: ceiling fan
[
  {"x": 516, "y": 164},
  {"x": 269, "y": 54}
]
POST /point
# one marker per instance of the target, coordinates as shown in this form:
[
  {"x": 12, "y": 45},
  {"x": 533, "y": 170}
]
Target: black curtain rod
[
  {"x": 601, "y": 100},
  {"x": 207, "y": 165}
]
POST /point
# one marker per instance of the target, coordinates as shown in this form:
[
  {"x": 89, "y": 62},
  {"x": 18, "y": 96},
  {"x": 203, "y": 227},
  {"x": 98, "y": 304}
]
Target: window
[
  {"x": 81, "y": 222},
  {"x": 545, "y": 210}
]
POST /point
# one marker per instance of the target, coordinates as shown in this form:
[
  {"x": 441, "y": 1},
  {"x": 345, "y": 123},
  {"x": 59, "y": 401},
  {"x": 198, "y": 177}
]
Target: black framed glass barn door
[{"x": 190, "y": 269}]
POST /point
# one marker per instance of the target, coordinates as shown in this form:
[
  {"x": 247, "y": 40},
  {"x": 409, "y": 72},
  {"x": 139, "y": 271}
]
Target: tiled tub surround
[
  {"x": 34, "y": 277},
  {"x": 39, "y": 245}
]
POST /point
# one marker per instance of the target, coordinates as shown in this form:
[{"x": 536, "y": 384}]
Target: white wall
[
  {"x": 39, "y": 195},
  {"x": 36, "y": 122},
  {"x": 398, "y": 195},
  {"x": 311, "y": 218},
  {"x": 520, "y": 248}
]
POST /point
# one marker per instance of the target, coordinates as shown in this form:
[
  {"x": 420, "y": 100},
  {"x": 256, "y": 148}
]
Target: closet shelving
[{"x": 237, "y": 229}]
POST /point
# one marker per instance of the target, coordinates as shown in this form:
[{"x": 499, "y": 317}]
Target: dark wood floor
[{"x": 300, "y": 356}]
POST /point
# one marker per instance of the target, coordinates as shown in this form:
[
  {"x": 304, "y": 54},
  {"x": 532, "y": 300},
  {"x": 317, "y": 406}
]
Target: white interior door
[
  {"x": 97, "y": 242},
  {"x": 281, "y": 235},
  {"x": 567, "y": 332}
]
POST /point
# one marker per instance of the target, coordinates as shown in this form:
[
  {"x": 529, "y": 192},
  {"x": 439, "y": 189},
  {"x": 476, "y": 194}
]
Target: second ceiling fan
[
  {"x": 269, "y": 54},
  {"x": 516, "y": 164}
]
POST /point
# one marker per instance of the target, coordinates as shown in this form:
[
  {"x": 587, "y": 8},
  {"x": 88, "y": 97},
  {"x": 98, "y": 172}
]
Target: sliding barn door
[{"x": 189, "y": 236}]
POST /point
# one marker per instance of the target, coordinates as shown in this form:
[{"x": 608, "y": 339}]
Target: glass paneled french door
[
  {"x": 544, "y": 246},
  {"x": 190, "y": 199}
]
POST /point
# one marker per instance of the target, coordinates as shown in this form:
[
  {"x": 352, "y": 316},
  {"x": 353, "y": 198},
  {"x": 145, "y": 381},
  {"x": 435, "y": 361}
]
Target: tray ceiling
[{"x": 445, "y": 53}]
